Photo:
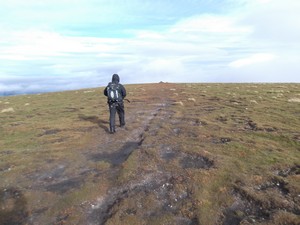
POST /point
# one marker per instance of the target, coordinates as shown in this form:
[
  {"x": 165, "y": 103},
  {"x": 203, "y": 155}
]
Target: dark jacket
[{"x": 116, "y": 79}]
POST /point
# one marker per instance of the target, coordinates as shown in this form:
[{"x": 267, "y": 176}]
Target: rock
[
  {"x": 90, "y": 91},
  {"x": 294, "y": 100},
  {"x": 178, "y": 103},
  {"x": 7, "y": 110},
  {"x": 192, "y": 99}
]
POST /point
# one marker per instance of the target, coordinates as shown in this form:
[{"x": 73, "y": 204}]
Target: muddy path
[{"x": 149, "y": 192}]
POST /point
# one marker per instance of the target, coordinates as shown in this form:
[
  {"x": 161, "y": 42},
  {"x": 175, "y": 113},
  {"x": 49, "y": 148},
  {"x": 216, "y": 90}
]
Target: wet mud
[
  {"x": 294, "y": 170},
  {"x": 242, "y": 210},
  {"x": 222, "y": 140},
  {"x": 264, "y": 202},
  {"x": 168, "y": 154},
  {"x": 250, "y": 125},
  {"x": 165, "y": 192},
  {"x": 50, "y": 132},
  {"x": 103, "y": 208},
  {"x": 6, "y": 152},
  {"x": 13, "y": 207},
  {"x": 277, "y": 184},
  {"x": 188, "y": 121},
  {"x": 118, "y": 157},
  {"x": 5, "y": 168},
  {"x": 64, "y": 186},
  {"x": 49, "y": 175},
  {"x": 56, "y": 180},
  {"x": 185, "y": 160},
  {"x": 196, "y": 161}
]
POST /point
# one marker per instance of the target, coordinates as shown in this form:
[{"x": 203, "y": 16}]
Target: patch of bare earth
[{"x": 265, "y": 203}]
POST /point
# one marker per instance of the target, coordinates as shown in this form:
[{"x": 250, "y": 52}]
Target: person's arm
[
  {"x": 123, "y": 90},
  {"x": 105, "y": 91}
]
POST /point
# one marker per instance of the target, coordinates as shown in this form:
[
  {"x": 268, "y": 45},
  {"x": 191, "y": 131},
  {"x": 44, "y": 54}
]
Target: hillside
[{"x": 189, "y": 154}]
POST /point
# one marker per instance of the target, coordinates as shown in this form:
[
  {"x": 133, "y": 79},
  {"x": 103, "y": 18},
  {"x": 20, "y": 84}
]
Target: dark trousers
[{"x": 113, "y": 108}]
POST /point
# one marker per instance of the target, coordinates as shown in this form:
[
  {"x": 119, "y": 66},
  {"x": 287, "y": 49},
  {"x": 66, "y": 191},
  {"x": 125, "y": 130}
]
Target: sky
[{"x": 55, "y": 45}]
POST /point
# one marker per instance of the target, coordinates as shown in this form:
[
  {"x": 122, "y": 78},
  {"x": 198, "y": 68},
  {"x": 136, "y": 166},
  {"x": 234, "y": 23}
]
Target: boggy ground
[{"x": 189, "y": 154}]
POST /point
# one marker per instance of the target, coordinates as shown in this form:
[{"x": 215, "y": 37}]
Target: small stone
[
  {"x": 192, "y": 99},
  {"x": 7, "y": 110}
]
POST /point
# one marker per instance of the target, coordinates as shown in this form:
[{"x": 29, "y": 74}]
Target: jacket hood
[{"x": 115, "y": 78}]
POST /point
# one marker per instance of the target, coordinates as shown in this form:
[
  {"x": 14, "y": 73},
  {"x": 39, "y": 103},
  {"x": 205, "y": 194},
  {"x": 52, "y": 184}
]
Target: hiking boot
[{"x": 112, "y": 130}]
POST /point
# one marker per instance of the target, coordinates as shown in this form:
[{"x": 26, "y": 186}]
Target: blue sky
[{"x": 54, "y": 45}]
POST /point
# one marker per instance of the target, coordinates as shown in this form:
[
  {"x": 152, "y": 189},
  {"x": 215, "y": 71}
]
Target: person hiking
[{"x": 115, "y": 93}]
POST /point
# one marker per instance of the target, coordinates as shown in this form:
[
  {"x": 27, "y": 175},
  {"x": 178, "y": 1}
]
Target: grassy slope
[{"x": 249, "y": 131}]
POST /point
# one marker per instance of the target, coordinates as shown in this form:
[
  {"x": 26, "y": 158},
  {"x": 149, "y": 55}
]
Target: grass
[{"x": 250, "y": 132}]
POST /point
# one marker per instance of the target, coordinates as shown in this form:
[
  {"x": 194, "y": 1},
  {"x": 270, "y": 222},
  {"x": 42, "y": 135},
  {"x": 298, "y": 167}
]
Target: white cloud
[
  {"x": 36, "y": 44},
  {"x": 253, "y": 59},
  {"x": 275, "y": 21},
  {"x": 208, "y": 23}
]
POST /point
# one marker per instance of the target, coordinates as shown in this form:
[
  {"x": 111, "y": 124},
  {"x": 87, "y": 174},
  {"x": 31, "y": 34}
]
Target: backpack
[{"x": 114, "y": 92}]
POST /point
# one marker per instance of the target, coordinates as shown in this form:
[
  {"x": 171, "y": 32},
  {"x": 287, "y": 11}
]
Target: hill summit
[{"x": 189, "y": 154}]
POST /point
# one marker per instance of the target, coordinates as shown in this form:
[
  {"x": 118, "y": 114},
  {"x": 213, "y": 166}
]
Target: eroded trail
[{"x": 153, "y": 185}]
